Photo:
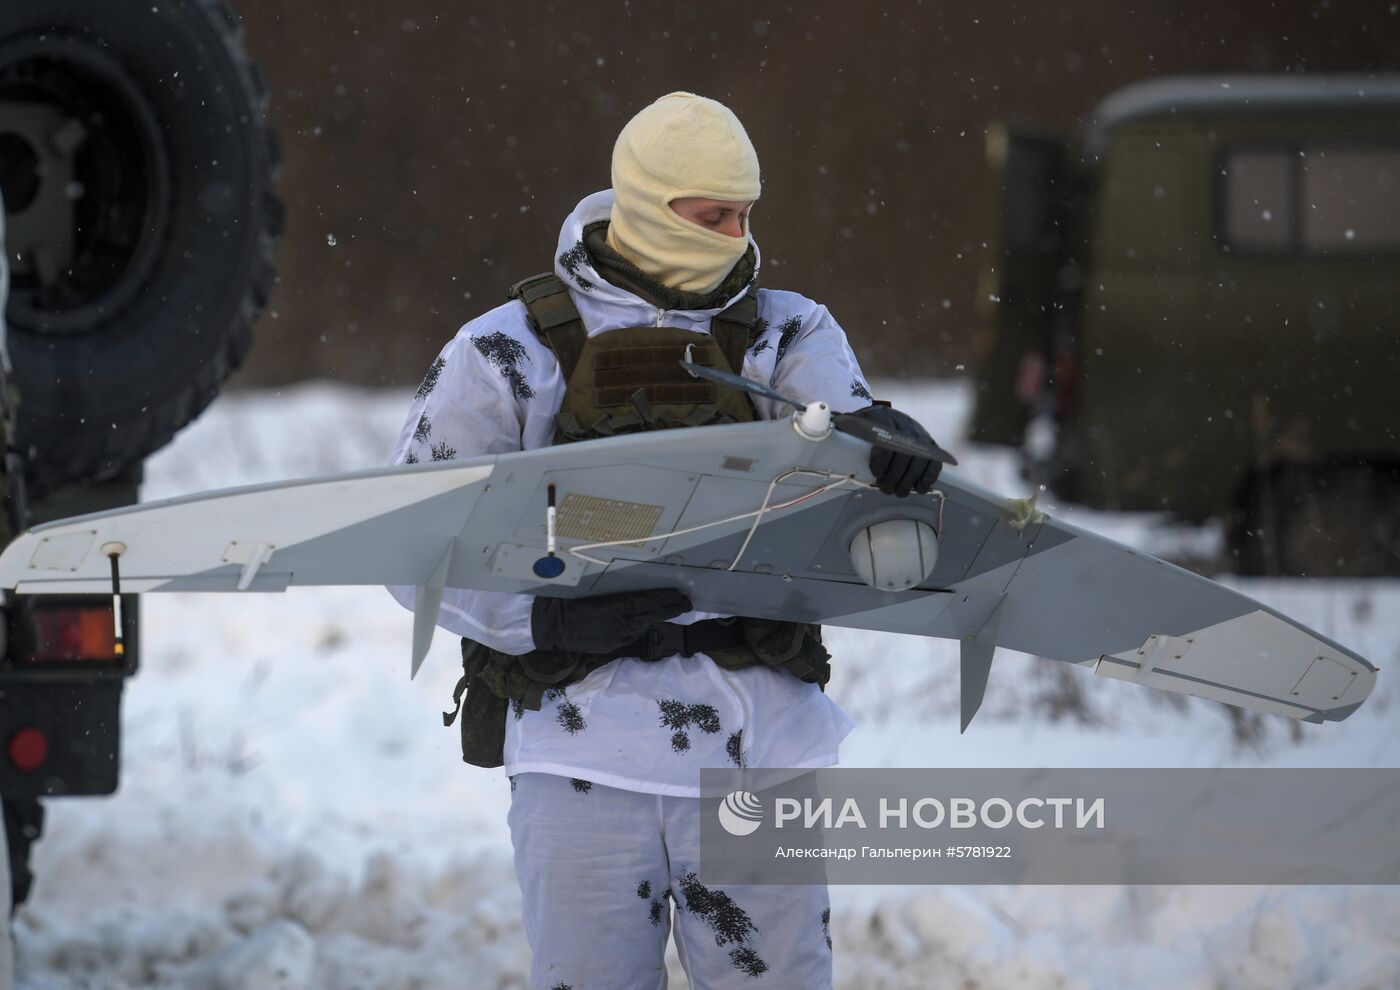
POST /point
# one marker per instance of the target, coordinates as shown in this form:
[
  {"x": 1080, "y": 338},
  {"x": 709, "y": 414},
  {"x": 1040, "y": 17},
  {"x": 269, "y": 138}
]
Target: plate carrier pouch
[{"x": 626, "y": 381}]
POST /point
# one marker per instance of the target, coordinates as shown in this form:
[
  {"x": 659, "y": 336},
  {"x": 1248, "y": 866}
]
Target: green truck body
[{"x": 1198, "y": 311}]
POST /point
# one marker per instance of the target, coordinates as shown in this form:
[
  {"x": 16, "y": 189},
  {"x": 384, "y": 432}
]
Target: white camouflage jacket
[{"x": 496, "y": 388}]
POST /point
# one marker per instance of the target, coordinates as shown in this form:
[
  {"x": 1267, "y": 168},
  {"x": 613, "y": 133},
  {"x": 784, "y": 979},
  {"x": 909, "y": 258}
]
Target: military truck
[
  {"x": 1196, "y": 309},
  {"x": 136, "y": 170}
]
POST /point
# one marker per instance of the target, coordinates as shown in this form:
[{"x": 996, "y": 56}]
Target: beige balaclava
[{"x": 682, "y": 145}]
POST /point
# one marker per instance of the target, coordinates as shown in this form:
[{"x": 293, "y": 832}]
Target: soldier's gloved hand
[
  {"x": 895, "y": 473},
  {"x": 602, "y": 623}
]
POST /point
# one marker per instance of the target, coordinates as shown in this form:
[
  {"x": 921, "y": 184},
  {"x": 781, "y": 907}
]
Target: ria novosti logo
[{"x": 740, "y": 813}]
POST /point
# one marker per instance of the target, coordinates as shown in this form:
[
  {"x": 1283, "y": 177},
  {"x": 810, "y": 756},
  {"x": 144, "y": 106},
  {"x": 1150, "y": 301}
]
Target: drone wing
[{"x": 749, "y": 519}]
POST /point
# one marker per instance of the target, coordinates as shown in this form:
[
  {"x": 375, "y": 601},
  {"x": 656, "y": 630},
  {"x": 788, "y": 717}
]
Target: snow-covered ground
[{"x": 293, "y": 814}]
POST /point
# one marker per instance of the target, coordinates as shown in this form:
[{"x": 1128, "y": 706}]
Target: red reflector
[
  {"x": 74, "y": 633},
  {"x": 29, "y": 748}
]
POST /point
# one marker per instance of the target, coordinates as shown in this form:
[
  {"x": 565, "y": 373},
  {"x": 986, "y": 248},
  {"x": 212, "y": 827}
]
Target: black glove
[
  {"x": 602, "y": 623},
  {"x": 895, "y": 473}
]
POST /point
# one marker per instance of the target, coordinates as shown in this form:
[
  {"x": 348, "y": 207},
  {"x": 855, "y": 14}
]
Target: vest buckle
[{"x": 666, "y": 639}]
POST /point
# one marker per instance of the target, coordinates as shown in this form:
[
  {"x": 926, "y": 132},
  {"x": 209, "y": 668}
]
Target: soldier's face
[{"x": 722, "y": 215}]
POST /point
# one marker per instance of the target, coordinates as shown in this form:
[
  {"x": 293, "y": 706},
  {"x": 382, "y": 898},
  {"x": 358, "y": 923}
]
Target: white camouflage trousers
[{"x": 603, "y": 872}]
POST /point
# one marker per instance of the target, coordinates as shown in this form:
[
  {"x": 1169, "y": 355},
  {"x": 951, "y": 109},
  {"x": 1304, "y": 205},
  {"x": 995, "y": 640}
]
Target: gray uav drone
[{"x": 773, "y": 519}]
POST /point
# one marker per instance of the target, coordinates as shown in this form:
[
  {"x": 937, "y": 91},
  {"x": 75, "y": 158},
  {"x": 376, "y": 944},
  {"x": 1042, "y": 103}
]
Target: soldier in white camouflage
[{"x": 603, "y": 710}]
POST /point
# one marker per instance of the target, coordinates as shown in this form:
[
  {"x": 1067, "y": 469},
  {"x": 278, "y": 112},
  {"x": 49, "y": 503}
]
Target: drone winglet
[
  {"x": 976, "y": 664},
  {"x": 427, "y": 600}
]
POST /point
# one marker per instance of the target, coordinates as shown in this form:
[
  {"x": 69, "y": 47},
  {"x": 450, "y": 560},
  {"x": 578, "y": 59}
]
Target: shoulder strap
[
  {"x": 554, "y": 317},
  {"x": 734, "y": 330}
]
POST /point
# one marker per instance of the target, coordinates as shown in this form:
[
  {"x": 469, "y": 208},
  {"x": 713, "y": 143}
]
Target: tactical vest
[
  {"x": 626, "y": 381},
  {"x": 631, "y": 379}
]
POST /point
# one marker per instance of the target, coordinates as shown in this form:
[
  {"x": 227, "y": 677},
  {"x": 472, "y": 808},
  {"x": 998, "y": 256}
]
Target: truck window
[
  {"x": 1310, "y": 200},
  {"x": 1351, "y": 199},
  {"x": 1258, "y": 193}
]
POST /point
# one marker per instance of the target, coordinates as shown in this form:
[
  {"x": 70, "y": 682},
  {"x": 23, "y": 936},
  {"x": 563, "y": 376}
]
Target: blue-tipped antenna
[{"x": 550, "y": 565}]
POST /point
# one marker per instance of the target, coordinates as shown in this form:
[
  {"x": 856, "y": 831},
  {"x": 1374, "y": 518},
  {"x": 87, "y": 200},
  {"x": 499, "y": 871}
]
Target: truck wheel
[
  {"x": 1322, "y": 521},
  {"x": 140, "y": 222}
]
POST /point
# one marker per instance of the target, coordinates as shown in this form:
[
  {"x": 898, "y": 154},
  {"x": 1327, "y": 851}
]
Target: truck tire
[
  {"x": 140, "y": 217},
  {"x": 1321, "y": 521}
]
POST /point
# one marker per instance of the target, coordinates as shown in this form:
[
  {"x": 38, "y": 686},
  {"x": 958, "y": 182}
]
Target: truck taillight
[
  {"x": 28, "y": 749},
  {"x": 1064, "y": 385},
  {"x": 1030, "y": 378},
  {"x": 80, "y": 633}
]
